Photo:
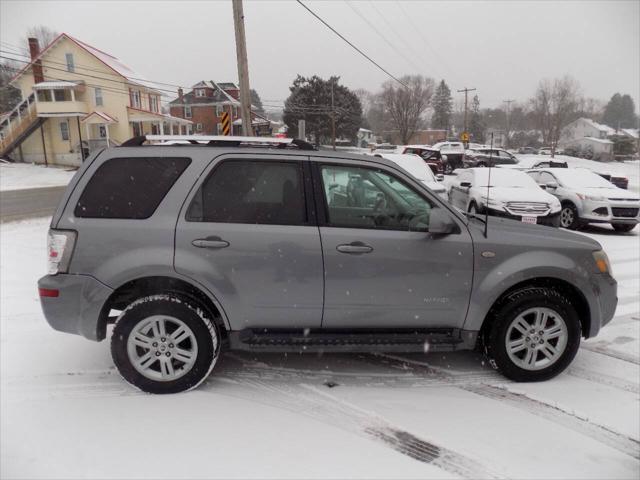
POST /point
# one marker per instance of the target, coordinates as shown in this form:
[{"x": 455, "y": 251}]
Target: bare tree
[
  {"x": 555, "y": 104},
  {"x": 406, "y": 106},
  {"x": 44, "y": 34}
]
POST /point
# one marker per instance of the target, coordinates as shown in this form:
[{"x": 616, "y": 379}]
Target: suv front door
[
  {"x": 248, "y": 234},
  {"x": 382, "y": 267}
]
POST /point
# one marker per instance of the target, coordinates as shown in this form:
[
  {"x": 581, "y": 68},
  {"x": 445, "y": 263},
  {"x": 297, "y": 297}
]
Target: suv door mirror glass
[{"x": 441, "y": 222}]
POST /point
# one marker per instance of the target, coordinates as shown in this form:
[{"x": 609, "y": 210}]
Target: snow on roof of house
[
  {"x": 596, "y": 140},
  {"x": 109, "y": 60},
  {"x": 603, "y": 128},
  {"x": 56, "y": 85},
  {"x": 101, "y": 117},
  {"x": 632, "y": 132}
]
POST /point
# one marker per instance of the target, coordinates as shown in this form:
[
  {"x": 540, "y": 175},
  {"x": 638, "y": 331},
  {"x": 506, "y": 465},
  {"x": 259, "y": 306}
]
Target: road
[{"x": 29, "y": 202}]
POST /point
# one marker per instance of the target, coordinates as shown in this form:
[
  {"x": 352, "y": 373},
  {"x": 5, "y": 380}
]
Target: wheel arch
[
  {"x": 573, "y": 293},
  {"x": 133, "y": 289}
]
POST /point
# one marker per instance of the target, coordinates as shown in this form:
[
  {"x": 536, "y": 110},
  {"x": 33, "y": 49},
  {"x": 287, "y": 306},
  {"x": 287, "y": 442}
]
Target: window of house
[
  {"x": 370, "y": 198},
  {"x": 44, "y": 95},
  {"x": 129, "y": 187},
  {"x": 200, "y": 92},
  {"x": 64, "y": 130},
  {"x": 153, "y": 103},
  {"x": 102, "y": 131},
  {"x": 218, "y": 110},
  {"x": 245, "y": 191},
  {"x": 98, "y": 93},
  {"x": 198, "y": 127},
  {"x": 61, "y": 95},
  {"x": 187, "y": 111},
  {"x": 218, "y": 129},
  {"x": 235, "y": 112},
  {"x": 135, "y": 98},
  {"x": 70, "y": 64}
]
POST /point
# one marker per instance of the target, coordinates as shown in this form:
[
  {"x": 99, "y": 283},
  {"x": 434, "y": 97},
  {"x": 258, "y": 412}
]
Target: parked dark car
[
  {"x": 485, "y": 157},
  {"x": 434, "y": 161},
  {"x": 528, "y": 150}
]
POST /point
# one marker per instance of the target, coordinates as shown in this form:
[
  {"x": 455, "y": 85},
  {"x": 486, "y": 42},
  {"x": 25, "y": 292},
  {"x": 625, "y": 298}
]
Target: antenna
[{"x": 486, "y": 208}]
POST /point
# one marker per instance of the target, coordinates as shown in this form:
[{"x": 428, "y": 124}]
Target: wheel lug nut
[
  {"x": 541, "y": 342},
  {"x": 527, "y": 339},
  {"x": 162, "y": 339},
  {"x": 155, "y": 344},
  {"x": 533, "y": 331},
  {"x": 171, "y": 345},
  {"x": 157, "y": 354},
  {"x": 168, "y": 354},
  {"x": 541, "y": 332}
]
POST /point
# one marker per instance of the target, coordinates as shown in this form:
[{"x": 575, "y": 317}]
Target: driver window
[
  {"x": 546, "y": 178},
  {"x": 370, "y": 198}
]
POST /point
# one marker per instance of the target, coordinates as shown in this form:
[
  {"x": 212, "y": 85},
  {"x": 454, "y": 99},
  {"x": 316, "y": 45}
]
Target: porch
[{"x": 154, "y": 123}]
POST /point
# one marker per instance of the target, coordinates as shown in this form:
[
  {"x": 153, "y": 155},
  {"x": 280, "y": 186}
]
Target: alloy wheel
[
  {"x": 536, "y": 338},
  {"x": 162, "y": 348},
  {"x": 566, "y": 217}
]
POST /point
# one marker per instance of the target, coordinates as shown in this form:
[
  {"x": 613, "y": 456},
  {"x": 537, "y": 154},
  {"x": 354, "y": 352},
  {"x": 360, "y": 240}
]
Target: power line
[
  {"x": 381, "y": 35},
  {"x": 349, "y": 43}
]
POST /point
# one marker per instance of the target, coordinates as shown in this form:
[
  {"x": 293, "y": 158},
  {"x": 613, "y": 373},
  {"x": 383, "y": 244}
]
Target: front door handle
[
  {"x": 354, "y": 248},
  {"x": 210, "y": 242}
]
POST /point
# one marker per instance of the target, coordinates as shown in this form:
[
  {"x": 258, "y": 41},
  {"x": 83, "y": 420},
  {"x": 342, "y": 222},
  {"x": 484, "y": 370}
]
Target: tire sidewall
[
  {"x": 536, "y": 297},
  {"x": 575, "y": 224},
  {"x": 203, "y": 328}
]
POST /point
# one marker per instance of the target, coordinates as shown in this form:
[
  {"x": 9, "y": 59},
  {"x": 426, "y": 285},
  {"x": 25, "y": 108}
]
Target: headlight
[
  {"x": 595, "y": 198},
  {"x": 493, "y": 203},
  {"x": 555, "y": 206},
  {"x": 602, "y": 262}
]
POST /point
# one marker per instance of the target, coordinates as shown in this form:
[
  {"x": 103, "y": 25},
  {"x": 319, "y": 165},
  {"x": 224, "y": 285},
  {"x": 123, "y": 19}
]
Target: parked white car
[
  {"x": 416, "y": 166},
  {"x": 511, "y": 194},
  {"x": 586, "y": 197}
]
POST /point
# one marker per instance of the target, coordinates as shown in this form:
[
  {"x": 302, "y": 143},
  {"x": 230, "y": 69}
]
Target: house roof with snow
[
  {"x": 107, "y": 59},
  {"x": 219, "y": 94},
  {"x": 598, "y": 126},
  {"x": 631, "y": 132}
]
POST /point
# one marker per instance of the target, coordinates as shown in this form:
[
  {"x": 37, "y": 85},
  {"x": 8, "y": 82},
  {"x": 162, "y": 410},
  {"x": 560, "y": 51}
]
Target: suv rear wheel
[
  {"x": 534, "y": 336},
  {"x": 163, "y": 344}
]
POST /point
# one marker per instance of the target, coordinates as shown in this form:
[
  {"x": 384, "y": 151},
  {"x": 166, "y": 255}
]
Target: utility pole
[
  {"x": 243, "y": 67},
  {"x": 466, "y": 93},
  {"x": 508, "y": 102},
  {"x": 333, "y": 119}
]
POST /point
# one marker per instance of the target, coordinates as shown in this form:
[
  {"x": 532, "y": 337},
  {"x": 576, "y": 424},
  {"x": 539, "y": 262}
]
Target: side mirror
[
  {"x": 440, "y": 177},
  {"x": 465, "y": 184},
  {"x": 441, "y": 223},
  {"x": 552, "y": 185}
]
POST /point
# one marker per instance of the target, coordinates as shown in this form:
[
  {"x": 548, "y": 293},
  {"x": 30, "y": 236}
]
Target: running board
[{"x": 352, "y": 340}]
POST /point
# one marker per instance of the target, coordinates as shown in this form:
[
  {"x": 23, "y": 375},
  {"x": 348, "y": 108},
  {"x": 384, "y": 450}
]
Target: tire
[
  {"x": 481, "y": 165},
  {"x": 554, "y": 349},
  {"x": 164, "y": 344},
  {"x": 473, "y": 208},
  {"x": 623, "y": 227},
  {"x": 569, "y": 217},
  {"x": 448, "y": 168}
]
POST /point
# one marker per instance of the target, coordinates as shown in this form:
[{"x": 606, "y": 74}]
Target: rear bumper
[{"x": 77, "y": 306}]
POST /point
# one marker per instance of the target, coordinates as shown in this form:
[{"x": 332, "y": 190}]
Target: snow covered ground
[
  {"x": 65, "y": 412},
  {"x": 17, "y": 176}
]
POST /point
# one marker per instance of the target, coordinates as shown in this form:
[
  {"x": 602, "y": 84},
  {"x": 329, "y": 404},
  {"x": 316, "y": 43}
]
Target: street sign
[
  {"x": 225, "y": 120},
  {"x": 464, "y": 137}
]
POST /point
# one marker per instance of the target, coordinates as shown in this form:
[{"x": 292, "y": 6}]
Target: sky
[{"x": 501, "y": 48}]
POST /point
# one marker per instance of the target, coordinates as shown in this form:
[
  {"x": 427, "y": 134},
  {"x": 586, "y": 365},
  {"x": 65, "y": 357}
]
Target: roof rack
[{"x": 218, "y": 141}]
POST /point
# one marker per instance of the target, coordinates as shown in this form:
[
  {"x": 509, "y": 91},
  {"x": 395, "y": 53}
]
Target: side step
[{"x": 352, "y": 340}]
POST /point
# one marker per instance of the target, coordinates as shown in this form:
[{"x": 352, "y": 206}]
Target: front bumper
[
  {"x": 610, "y": 212},
  {"x": 77, "y": 307},
  {"x": 551, "y": 220},
  {"x": 605, "y": 288}
]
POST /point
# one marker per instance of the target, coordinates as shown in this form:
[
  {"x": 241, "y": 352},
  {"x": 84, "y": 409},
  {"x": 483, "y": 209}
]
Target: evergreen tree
[
  {"x": 476, "y": 125},
  {"x": 620, "y": 112},
  {"x": 310, "y": 99},
  {"x": 257, "y": 102},
  {"x": 442, "y": 107}
]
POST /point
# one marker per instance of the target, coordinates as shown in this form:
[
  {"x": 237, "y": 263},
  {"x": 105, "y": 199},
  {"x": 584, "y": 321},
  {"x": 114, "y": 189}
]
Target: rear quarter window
[{"x": 129, "y": 188}]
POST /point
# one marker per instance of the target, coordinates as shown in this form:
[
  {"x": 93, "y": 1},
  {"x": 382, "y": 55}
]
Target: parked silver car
[
  {"x": 267, "y": 245},
  {"x": 586, "y": 197}
]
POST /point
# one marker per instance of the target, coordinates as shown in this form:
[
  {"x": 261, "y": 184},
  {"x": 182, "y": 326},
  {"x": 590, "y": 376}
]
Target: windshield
[
  {"x": 503, "y": 178},
  {"x": 574, "y": 177}
]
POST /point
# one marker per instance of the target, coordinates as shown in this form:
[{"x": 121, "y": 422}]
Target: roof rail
[{"x": 218, "y": 141}]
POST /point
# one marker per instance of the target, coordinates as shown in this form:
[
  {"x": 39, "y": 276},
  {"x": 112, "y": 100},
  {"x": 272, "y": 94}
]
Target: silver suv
[{"x": 267, "y": 245}]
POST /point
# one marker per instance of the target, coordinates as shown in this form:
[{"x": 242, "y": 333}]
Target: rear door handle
[
  {"x": 354, "y": 248},
  {"x": 210, "y": 242}
]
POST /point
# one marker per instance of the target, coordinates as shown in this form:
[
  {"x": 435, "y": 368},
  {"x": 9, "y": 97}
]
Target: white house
[
  {"x": 586, "y": 135},
  {"x": 365, "y": 137}
]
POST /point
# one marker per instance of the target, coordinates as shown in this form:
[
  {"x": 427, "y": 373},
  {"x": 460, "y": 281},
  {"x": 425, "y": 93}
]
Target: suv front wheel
[
  {"x": 163, "y": 344},
  {"x": 534, "y": 335}
]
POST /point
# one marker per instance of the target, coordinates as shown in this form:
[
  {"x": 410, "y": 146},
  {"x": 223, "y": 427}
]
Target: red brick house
[{"x": 204, "y": 105}]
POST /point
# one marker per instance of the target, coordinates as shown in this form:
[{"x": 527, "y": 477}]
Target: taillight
[{"x": 60, "y": 245}]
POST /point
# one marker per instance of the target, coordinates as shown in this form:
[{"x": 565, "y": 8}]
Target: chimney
[
  {"x": 34, "y": 51},
  {"x": 180, "y": 94}
]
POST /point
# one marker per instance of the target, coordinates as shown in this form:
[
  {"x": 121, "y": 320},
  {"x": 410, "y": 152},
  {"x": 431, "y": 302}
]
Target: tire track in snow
[
  {"x": 603, "y": 379},
  {"x": 602, "y": 434},
  {"x": 602, "y": 349},
  {"x": 309, "y": 400},
  {"x": 607, "y": 436}
]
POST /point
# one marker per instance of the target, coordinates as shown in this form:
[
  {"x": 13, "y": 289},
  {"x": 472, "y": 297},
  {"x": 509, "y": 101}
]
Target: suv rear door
[
  {"x": 382, "y": 267},
  {"x": 247, "y": 232}
]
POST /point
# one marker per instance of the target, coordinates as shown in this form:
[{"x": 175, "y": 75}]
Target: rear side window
[
  {"x": 130, "y": 188},
  {"x": 262, "y": 192}
]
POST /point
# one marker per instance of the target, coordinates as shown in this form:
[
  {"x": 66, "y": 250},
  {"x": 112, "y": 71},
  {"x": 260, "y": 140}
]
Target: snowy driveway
[{"x": 66, "y": 413}]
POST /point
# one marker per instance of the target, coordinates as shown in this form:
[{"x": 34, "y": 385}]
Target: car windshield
[
  {"x": 575, "y": 177},
  {"x": 503, "y": 178}
]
